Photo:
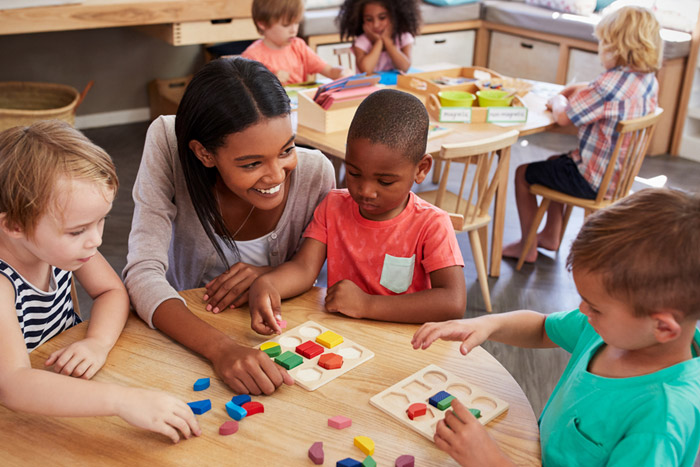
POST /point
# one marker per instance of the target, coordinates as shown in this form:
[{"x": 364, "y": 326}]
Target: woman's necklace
[{"x": 252, "y": 208}]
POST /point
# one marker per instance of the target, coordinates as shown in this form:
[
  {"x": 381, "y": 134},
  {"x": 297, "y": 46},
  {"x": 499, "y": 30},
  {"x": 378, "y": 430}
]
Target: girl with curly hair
[{"x": 382, "y": 30}]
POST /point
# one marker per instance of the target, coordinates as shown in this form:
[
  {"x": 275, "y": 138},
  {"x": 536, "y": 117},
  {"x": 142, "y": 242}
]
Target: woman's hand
[
  {"x": 81, "y": 359},
  {"x": 472, "y": 332},
  {"x": 230, "y": 289},
  {"x": 249, "y": 371}
]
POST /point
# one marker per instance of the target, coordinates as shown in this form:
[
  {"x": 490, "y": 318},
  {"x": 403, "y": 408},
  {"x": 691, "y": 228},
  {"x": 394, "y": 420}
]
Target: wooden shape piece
[
  {"x": 416, "y": 410},
  {"x": 228, "y": 428},
  {"x": 445, "y": 403},
  {"x": 241, "y": 399},
  {"x": 234, "y": 411},
  {"x": 201, "y": 384},
  {"x": 365, "y": 444},
  {"x": 329, "y": 339},
  {"x": 272, "y": 349},
  {"x": 316, "y": 453},
  {"x": 476, "y": 413},
  {"x": 330, "y": 361},
  {"x": 339, "y": 422},
  {"x": 405, "y": 461},
  {"x": 438, "y": 397},
  {"x": 200, "y": 407},
  {"x": 369, "y": 462},
  {"x": 309, "y": 349},
  {"x": 348, "y": 462},
  {"x": 289, "y": 360},
  {"x": 253, "y": 407}
]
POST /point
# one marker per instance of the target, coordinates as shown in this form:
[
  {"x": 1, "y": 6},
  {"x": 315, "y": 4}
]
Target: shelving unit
[{"x": 690, "y": 139}]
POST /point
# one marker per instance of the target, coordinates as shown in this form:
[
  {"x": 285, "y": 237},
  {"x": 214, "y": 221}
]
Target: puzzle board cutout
[
  {"x": 425, "y": 383},
  {"x": 309, "y": 375}
]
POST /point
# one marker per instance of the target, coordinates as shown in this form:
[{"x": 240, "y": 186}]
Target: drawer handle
[
  {"x": 221, "y": 21},
  {"x": 440, "y": 41},
  {"x": 526, "y": 46}
]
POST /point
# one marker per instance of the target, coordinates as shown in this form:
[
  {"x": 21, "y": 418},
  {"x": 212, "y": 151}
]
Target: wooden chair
[
  {"x": 635, "y": 135},
  {"x": 346, "y": 57},
  {"x": 491, "y": 158},
  {"x": 74, "y": 296}
]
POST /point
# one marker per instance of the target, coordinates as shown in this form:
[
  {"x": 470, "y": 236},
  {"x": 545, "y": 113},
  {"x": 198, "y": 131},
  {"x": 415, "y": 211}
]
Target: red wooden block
[
  {"x": 253, "y": 407},
  {"x": 309, "y": 349},
  {"x": 416, "y": 410},
  {"x": 330, "y": 361},
  {"x": 316, "y": 453},
  {"x": 228, "y": 428}
]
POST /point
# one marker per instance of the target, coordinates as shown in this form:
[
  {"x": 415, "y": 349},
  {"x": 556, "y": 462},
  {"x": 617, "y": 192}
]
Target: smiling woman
[{"x": 222, "y": 195}]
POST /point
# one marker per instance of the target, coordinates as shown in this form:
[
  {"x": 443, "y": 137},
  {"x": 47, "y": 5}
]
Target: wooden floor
[{"x": 545, "y": 286}]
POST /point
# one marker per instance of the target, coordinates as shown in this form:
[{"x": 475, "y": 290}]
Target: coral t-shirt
[
  {"x": 297, "y": 59},
  {"x": 384, "y": 257}
]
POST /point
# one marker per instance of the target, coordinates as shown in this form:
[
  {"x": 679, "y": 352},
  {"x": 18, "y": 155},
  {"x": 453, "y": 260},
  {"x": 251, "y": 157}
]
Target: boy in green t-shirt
[{"x": 630, "y": 394}]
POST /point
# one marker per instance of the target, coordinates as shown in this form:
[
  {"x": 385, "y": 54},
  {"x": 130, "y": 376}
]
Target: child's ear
[
  {"x": 666, "y": 325},
  {"x": 261, "y": 26},
  {"x": 204, "y": 156},
  {"x": 423, "y": 167},
  {"x": 9, "y": 229}
]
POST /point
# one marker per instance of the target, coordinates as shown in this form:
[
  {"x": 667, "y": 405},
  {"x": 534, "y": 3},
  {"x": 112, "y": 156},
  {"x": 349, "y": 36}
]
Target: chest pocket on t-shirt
[{"x": 397, "y": 273}]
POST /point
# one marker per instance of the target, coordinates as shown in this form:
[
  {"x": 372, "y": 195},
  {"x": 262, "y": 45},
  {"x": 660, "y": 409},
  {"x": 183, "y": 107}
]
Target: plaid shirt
[{"x": 617, "y": 94}]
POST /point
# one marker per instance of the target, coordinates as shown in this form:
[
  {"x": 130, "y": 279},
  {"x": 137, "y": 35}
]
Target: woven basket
[{"x": 23, "y": 103}]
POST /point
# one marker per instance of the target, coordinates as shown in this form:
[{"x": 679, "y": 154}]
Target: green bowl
[
  {"x": 493, "y": 98},
  {"x": 456, "y": 98}
]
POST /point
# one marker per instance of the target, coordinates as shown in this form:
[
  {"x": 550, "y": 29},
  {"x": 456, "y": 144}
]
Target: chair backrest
[
  {"x": 74, "y": 297},
  {"x": 346, "y": 57},
  {"x": 491, "y": 157},
  {"x": 634, "y": 135}
]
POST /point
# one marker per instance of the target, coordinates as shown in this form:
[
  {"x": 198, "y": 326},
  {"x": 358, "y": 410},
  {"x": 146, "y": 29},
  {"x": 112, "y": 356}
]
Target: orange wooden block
[{"x": 330, "y": 361}]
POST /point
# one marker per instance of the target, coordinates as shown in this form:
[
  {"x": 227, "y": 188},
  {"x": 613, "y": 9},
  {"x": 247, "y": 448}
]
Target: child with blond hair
[
  {"x": 630, "y": 394},
  {"x": 280, "y": 50},
  {"x": 630, "y": 49},
  {"x": 56, "y": 188}
]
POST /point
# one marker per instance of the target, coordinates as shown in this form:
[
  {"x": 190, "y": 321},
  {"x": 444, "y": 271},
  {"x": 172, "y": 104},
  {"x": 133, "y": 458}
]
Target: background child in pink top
[
  {"x": 382, "y": 30},
  {"x": 280, "y": 50},
  {"x": 391, "y": 256}
]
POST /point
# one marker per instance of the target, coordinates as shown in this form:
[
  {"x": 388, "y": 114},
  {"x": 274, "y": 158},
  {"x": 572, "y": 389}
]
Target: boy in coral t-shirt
[
  {"x": 391, "y": 256},
  {"x": 280, "y": 50}
]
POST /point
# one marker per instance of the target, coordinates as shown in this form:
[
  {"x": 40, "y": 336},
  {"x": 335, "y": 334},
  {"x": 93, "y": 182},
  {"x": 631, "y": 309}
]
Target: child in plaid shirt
[{"x": 630, "y": 49}]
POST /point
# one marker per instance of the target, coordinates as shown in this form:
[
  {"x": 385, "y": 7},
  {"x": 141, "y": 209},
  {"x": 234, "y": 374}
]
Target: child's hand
[
  {"x": 472, "y": 332},
  {"x": 249, "y": 371},
  {"x": 387, "y": 33},
  {"x": 265, "y": 307},
  {"x": 370, "y": 34},
  {"x": 283, "y": 76},
  {"x": 461, "y": 436},
  {"x": 230, "y": 289},
  {"x": 81, "y": 359},
  {"x": 159, "y": 412},
  {"x": 347, "y": 298}
]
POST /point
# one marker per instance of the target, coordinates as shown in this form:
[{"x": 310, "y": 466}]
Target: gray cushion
[{"x": 676, "y": 43}]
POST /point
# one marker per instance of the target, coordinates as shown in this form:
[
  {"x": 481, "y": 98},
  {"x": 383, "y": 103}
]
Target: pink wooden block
[
  {"x": 316, "y": 453},
  {"x": 228, "y": 428},
  {"x": 339, "y": 422},
  {"x": 281, "y": 323},
  {"x": 405, "y": 461},
  {"x": 253, "y": 407}
]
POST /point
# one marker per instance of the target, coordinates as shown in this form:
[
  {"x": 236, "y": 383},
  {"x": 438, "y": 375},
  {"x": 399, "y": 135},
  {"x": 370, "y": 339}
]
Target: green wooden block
[
  {"x": 445, "y": 403},
  {"x": 369, "y": 462},
  {"x": 289, "y": 360},
  {"x": 476, "y": 412},
  {"x": 273, "y": 351}
]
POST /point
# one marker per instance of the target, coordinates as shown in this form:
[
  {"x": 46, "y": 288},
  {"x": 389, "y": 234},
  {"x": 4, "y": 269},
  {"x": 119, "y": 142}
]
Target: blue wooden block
[
  {"x": 348, "y": 462},
  {"x": 234, "y": 411},
  {"x": 438, "y": 397},
  {"x": 199, "y": 407},
  {"x": 201, "y": 384},
  {"x": 241, "y": 399}
]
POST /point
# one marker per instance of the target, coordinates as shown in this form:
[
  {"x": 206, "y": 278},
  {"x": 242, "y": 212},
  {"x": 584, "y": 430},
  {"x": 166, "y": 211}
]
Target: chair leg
[
  {"x": 437, "y": 165},
  {"x": 480, "y": 263},
  {"x": 564, "y": 222},
  {"x": 532, "y": 235}
]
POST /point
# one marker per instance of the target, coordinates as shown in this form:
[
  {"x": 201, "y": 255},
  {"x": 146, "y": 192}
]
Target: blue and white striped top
[{"x": 42, "y": 315}]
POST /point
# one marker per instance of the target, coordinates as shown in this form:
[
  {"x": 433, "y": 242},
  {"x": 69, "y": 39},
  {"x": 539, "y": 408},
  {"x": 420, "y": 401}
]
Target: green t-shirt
[{"x": 589, "y": 420}]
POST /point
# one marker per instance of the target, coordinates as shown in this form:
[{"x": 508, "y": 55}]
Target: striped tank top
[{"x": 42, "y": 315}]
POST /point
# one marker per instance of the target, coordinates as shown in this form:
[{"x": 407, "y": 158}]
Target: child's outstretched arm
[
  {"x": 445, "y": 300},
  {"x": 25, "y": 389},
  {"x": 287, "y": 280},
  {"x": 336, "y": 72},
  {"x": 521, "y": 328},
  {"x": 110, "y": 310}
]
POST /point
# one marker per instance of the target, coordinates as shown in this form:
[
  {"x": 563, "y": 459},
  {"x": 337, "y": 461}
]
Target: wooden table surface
[{"x": 294, "y": 418}]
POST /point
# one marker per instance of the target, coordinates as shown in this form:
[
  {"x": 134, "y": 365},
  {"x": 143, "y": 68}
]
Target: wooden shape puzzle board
[
  {"x": 422, "y": 385},
  {"x": 309, "y": 375}
]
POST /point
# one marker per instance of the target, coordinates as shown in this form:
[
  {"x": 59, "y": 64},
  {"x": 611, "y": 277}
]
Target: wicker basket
[{"x": 23, "y": 103}]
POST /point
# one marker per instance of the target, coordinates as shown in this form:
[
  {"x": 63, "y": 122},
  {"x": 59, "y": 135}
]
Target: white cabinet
[
  {"x": 583, "y": 66},
  {"x": 455, "y": 47},
  {"x": 690, "y": 140},
  {"x": 523, "y": 57}
]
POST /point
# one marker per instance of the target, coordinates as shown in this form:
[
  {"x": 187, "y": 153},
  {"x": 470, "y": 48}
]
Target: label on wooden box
[
  {"x": 456, "y": 114},
  {"x": 506, "y": 115}
]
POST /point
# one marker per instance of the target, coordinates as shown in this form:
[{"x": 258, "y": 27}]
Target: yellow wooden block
[
  {"x": 365, "y": 444},
  {"x": 267, "y": 345},
  {"x": 329, "y": 339}
]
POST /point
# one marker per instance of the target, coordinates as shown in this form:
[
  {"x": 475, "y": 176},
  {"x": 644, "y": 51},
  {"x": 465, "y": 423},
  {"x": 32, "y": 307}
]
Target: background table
[{"x": 294, "y": 418}]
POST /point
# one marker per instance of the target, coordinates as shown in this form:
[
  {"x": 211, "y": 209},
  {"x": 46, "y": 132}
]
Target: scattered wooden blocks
[
  {"x": 228, "y": 428},
  {"x": 445, "y": 403},
  {"x": 329, "y": 339},
  {"x": 272, "y": 349},
  {"x": 438, "y": 397},
  {"x": 253, "y": 407},
  {"x": 201, "y": 384},
  {"x": 200, "y": 407},
  {"x": 234, "y": 411},
  {"x": 476, "y": 412},
  {"x": 339, "y": 422},
  {"x": 309, "y": 349},
  {"x": 330, "y": 361},
  {"x": 348, "y": 462},
  {"x": 369, "y": 462},
  {"x": 289, "y": 360},
  {"x": 405, "y": 461},
  {"x": 241, "y": 399},
  {"x": 365, "y": 444},
  {"x": 416, "y": 410},
  {"x": 316, "y": 453}
]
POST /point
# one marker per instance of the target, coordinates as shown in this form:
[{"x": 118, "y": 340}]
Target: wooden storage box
[
  {"x": 515, "y": 113},
  {"x": 164, "y": 95},
  {"x": 424, "y": 82},
  {"x": 312, "y": 115}
]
